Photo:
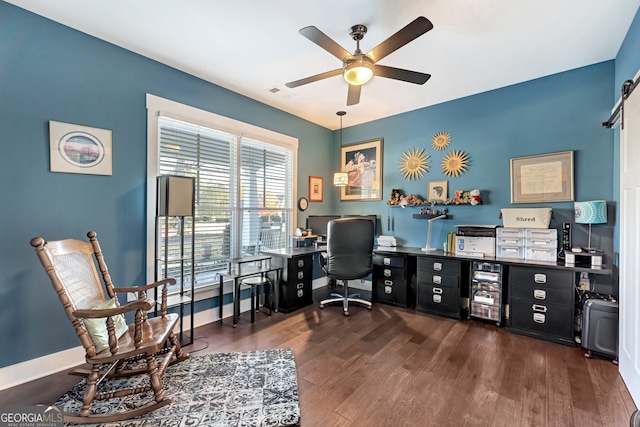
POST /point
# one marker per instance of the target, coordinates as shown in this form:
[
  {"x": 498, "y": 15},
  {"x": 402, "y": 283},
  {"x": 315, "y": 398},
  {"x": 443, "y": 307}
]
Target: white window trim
[{"x": 157, "y": 107}]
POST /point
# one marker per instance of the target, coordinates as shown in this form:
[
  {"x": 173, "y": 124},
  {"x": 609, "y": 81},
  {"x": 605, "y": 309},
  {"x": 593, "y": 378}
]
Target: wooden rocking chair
[{"x": 101, "y": 328}]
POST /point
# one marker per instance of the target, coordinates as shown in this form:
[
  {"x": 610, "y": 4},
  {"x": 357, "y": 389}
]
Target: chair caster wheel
[
  {"x": 369, "y": 308},
  {"x": 346, "y": 313},
  {"x": 321, "y": 306}
]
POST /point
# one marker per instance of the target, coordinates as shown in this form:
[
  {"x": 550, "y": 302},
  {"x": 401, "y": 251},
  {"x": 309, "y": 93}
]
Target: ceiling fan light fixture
[{"x": 358, "y": 72}]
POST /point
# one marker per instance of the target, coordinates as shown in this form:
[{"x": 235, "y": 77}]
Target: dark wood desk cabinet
[
  {"x": 392, "y": 274},
  {"x": 439, "y": 289},
  {"x": 296, "y": 284},
  {"x": 542, "y": 302}
]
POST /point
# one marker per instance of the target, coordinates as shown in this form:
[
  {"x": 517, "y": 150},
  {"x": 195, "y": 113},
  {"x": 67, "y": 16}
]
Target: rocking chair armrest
[
  {"x": 145, "y": 304},
  {"x": 167, "y": 281}
]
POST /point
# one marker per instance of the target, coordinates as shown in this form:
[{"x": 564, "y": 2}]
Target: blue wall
[
  {"x": 50, "y": 72},
  {"x": 556, "y": 113}
]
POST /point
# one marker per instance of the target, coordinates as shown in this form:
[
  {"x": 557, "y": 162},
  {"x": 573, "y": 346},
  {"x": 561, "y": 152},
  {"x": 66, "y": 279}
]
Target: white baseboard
[{"x": 39, "y": 367}]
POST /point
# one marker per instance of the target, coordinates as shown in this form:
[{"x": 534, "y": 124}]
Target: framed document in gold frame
[
  {"x": 363, "y": 164},
  {"x": 542, "y": 178}
]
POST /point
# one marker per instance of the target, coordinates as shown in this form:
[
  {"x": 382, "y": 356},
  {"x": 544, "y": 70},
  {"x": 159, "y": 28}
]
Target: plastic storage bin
[{"x": 540, "y": 254}]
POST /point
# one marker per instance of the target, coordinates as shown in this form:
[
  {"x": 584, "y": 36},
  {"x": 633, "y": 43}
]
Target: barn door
[{"x": 629, "y": 334}]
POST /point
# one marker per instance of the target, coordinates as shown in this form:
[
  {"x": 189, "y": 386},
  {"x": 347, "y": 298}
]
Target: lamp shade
[
  {"x": 175, "y": 195},
  {"x": 340, "y": 179},
  {"x": 592, "y": 212}
]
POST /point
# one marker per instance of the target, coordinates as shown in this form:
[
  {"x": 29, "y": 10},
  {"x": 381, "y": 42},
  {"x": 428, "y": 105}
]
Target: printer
[{"x": 476, "y": 240}]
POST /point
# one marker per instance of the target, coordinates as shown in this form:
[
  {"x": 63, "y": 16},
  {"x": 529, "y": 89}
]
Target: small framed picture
[
  {"x": 438, "y": 191},
  {"x": 79, "y": 149},
  {"x": 316, "y": 184}
]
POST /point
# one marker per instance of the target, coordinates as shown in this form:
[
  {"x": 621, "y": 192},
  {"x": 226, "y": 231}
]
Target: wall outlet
[{"x": 584, "y": 284}]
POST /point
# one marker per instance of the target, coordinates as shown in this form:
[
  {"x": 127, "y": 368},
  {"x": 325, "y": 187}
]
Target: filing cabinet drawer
[
  {"x": 438, "y": 300},
  {"x": 544, "y": 295},
  {"x": 389, "y": 272},
  {"x": 436, "y": 265},
  {"x": 440, "y": 280},
  {"x": 396, "y": 261},
  {"x": 541, "y": 320},
  {"x": 393, "y": 292},
  {"x": 538, "y": 276}
]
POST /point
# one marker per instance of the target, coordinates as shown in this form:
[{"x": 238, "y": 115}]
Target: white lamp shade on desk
[{"x": 592, "y": 212}]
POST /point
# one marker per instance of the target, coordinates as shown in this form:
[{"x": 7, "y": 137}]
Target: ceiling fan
[{"x": 358, "y": 68}]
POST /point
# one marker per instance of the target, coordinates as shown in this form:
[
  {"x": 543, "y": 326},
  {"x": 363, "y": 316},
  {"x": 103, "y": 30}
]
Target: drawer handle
[
  {"x": 300, "y": 293},
  {"x": 300, "y": 263},
  {"x": 387, "y": 272},
  {"x": 540, "y": 278},
  {"x": 437, "y": 299},
  {"x": 539, "y": 308},
  {"x": 437, "y": 280},
  {"x": 539, "y": 294},
  {"x": 386, "y": 261},
  {"x": 388, "y": 282},
  {"x": 300, "y": 274},
  {"x": 539, "y": 317},
  {"x": 300, "y": 286},
  {"x": 388, "y": 289},
  {"x": 437, "y": 291},
  {"x": 437, "y": 266}
]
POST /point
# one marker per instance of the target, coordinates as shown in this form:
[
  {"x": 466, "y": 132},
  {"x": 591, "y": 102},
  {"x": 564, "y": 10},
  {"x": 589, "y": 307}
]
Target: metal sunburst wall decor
[
  {"x": 414, "y": 163},
  {"x": 455, "y": 163},
  {"x": 440, "y": 140}
]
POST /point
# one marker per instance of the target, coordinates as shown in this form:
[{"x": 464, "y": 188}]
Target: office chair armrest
[{"x": 322, "y": 259}]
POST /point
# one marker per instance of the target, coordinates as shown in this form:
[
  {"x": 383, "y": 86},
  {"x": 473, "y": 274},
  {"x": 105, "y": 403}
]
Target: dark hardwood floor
[{"x": 396, "y": 367}]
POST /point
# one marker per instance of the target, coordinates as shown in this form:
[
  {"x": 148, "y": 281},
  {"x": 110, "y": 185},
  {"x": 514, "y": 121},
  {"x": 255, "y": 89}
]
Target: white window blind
[{"x": 243, "y": 194}]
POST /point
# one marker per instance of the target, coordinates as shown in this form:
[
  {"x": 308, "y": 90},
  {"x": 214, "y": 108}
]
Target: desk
[
  {"x": 540, "y": 296},
  {"x": 236, "y": 270}
]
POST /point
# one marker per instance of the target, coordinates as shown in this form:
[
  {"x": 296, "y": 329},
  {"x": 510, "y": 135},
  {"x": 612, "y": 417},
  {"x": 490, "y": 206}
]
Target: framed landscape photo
[
  {"x": 316, "y": 188},
  {"x": 79, "y": 149},
  {"x": 542, "y": 178},
  {"x": 438, "y": 191},
  {"x": 363, "y": 164}
]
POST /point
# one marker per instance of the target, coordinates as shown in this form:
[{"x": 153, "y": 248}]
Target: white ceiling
[{"x": 252, "y": 46}]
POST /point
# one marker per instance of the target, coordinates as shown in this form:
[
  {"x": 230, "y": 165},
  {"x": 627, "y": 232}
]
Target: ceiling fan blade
[
  {"x": 325, "y": 42},
  {"x": 400, "y": 74},
  {"x": 412, "y": 31},
  {"x": 353, "y": 96},
  {"x": 315, "y": 78}
]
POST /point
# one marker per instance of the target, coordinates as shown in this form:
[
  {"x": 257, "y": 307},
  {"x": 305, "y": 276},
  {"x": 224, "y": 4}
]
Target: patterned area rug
[{"x": 257, "y": 388}]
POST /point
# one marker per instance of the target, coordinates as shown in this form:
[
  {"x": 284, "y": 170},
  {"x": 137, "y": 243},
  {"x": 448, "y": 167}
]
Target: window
[{"x": 243, "y": 184}]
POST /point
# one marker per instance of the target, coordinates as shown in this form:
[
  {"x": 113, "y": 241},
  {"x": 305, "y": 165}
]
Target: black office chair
[{"x": 349, "y": 256}]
